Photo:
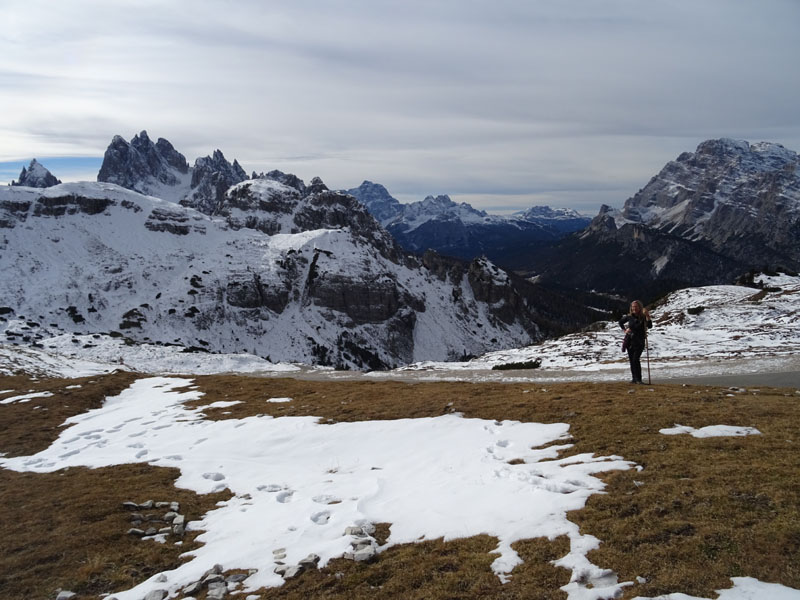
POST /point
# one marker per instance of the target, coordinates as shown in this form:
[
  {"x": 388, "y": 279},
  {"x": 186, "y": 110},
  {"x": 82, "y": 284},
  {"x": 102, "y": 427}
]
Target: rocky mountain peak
[
  {"x": 289, "y": 179},
  {"x": 141, "y": 165},
  {"x": 316, "y": 186},
  {"x": 36, "y": 175},
  {"x": 378, "y": 201}
]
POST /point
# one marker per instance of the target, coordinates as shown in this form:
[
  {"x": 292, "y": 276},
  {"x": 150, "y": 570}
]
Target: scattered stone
[
  {"x": 162, "y": 504},
  {"x": 193, "y": 588},
  {"x": 236, "y": 577},
  {"x": 215, "y": 570},
  {"x": 365, "y": 554},
  {"x": 217, "y": 589},
  {"x": 212, "y": 578},
  {"x": 161, "y": 578},
  {"x": 130, "y": 505},
  {"x": 66, "y": 595},
  {"x": 310, "y": 562},
  {"x": 165, "y": 530},
  {"x": 293, "y": 571},
  {"x": 147, "y": 505},
  {"x": 179, "y": 525},
  {"x": 170, "y": 516},
  {"x": 281, "y": 570},
  {"x": 362, "y": 543},
  {"x": 157, "y": 595},
  {"x": 137, "y": 516},
  {"x": 151, "y": 531},
  {"x": 135, "y": 531},
  {"x": 175, "y": 506}
]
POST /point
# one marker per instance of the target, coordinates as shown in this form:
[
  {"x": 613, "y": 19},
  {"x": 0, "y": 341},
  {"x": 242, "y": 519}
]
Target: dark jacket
[{"x": 638, "y": 327}]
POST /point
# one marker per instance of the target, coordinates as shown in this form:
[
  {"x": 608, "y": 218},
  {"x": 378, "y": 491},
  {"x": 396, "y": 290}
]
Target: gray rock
[
  {"x": 135, "y": 531},
  {"x": 151, "y": 531},
  {"x": 170, "y": 516},
  {"x": 365, "y": 554},
  {"x": 213, "y": 578},
  {"x": 178, "y": 525},
  {"x": 130, "y": 505},
  {"x": 217, "y": 593},
  {"x": 281, "y": 570},
  {"x": 174, "y": 506},
  {"x": 66, "y": 595},
  {"x": 293, "y": 571},
  {"x": 165, "y": 530},
  {"x": 147, "y": 505},
  {"x": 353, "y": 530},
  {"x": 193, "y": 588},
  {"x": 162, "y": 504},
  {"x": 310, "y": 562},
  {"x": 236, "y": 577}
]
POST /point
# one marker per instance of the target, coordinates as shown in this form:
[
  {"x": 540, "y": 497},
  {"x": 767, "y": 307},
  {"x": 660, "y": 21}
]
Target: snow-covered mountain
[
  {"x": 294, "y": 276},
  {"x": 706, "y": 218},
  {"x": 739, "y": 199},
  {"x": 36, "y": 175},
  {"x": 458, "y": 229}
]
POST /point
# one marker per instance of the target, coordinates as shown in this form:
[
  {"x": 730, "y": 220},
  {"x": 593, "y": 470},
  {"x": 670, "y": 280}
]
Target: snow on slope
[
  {"x": 706, "y": 330},
  {"x": 97, "y": 258}
]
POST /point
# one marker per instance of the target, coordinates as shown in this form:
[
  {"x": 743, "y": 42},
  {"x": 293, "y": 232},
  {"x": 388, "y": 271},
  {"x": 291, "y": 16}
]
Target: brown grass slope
[{"x": 699, "y": 512}]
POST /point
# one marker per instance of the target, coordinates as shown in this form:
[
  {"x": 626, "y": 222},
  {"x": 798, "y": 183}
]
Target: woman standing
[{"x": 636, "y": 323}]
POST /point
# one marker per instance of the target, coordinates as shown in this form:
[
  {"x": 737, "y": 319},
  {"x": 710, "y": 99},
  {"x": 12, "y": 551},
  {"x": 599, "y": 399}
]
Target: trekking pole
[{"x": 647, "y": 346}]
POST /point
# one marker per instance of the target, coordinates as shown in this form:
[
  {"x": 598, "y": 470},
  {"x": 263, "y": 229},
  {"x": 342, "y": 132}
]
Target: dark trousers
[{"x": 634, "y": 356}]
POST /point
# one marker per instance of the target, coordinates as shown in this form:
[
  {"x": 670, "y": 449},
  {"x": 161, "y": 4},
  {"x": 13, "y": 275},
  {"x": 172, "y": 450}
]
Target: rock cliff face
[
  {"x": 36, "y": 176},
  {"x": 141, "y": 165},
  {"x": 739, "y": 199},
  {"x": 300, "y": 274},
  {"x": 706, "y": 218},
  {"x": 439, "y": 224}
]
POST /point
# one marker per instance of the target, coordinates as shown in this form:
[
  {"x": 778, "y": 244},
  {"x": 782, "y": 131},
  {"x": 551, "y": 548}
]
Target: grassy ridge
[{"x": 699, "y": 512}]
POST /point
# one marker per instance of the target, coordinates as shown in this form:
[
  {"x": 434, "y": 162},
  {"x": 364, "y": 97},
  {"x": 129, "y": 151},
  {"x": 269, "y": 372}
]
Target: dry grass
[{"x": 700, "y": 511}]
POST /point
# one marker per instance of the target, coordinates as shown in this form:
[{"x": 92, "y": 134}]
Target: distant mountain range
[
  {"x": 438, "y": 223},
  {"x": 204, "y": 256},
  {"x": 707, "y": 217},
  {"x": 207, "y": 258}
]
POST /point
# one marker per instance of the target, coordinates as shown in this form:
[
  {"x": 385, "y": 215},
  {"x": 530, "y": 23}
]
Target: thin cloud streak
[{"x": 486, "y": 101}]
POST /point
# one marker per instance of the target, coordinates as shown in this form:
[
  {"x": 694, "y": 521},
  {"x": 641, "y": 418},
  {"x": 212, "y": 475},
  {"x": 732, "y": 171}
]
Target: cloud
[{"x": 479, "y": 99}]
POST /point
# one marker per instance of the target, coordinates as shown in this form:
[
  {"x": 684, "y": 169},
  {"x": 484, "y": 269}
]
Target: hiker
[{"x": 635, "y": 323}]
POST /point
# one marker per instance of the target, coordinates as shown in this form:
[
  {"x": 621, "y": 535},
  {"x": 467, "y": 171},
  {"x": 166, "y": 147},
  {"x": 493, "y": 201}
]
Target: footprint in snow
[
  {"x": 214, "y": 476},
  {"x": 285, "y": 497},
  {"x": 321, "y": 518},
  {"x": 269, "y": 488},
  {"x": 325, "y": 499}
]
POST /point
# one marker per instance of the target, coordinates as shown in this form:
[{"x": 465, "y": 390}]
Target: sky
[{"x": 504, "y": 104}]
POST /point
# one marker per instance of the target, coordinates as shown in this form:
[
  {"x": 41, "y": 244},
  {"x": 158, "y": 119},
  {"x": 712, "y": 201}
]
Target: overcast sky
[{"x": 502, "y": 104}]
